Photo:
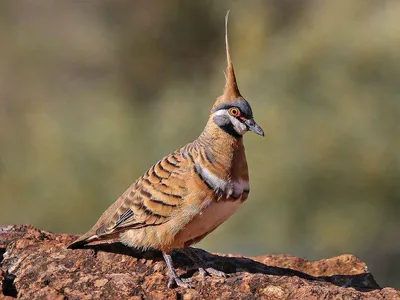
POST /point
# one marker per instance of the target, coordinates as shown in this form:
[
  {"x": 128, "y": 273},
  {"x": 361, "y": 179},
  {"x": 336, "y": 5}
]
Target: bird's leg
[
  {"x": 201, "y": 264},
  {"x": 173, "y": 277}
]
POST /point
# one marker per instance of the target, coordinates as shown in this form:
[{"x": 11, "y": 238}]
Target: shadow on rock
[{"x": 231, "y": 265}]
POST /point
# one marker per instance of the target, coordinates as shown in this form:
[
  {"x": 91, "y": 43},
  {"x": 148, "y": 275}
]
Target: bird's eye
[{"x": 234, "y": 112}]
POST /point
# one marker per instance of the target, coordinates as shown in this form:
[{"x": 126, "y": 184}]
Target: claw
[
  {"x": 173, "y": 277},
  {"x": 203, "y": 272},
  {"x": 212, "y": 272},
  {"x": 215, "y": 272},
  {"x": 202, "y": 265},
  {"x": 183, "y": 283}
]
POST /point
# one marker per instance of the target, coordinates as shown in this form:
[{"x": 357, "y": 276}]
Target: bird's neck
[
  {"x": 226, "y": 148},
  {"x": 222, "y": 139}
]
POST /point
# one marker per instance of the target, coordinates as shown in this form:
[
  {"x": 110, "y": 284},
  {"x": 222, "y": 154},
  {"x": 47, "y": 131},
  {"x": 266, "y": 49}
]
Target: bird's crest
[{"x": 231, "y": 91}]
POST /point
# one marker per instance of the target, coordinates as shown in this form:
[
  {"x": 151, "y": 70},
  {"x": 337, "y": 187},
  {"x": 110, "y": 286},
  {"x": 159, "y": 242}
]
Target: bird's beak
[{"x": 254, "y": 127}]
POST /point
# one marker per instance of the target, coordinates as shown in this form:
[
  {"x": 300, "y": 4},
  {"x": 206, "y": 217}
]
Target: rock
[{"x": 35, "y": 264}]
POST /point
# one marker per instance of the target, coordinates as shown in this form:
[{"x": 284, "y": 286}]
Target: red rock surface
[{"x": 35, "y": 264}]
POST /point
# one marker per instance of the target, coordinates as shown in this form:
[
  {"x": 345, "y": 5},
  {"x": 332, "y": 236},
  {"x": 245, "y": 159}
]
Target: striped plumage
[{"x": 189, "y": 192}]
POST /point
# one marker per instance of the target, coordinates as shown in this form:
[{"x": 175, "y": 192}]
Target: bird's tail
[{"x": 82, "y": 241}]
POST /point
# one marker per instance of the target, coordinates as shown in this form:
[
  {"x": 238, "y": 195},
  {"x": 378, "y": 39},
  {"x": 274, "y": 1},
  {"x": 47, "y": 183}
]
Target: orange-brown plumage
[{"x": 190, "y": 192}]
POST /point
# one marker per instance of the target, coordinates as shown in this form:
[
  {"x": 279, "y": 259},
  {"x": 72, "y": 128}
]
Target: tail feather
[{"x": 82, "y": 241}]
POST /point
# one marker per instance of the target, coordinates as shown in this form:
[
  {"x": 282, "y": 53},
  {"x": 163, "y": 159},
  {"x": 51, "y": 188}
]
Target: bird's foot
[
  {"x": 180, "y": 282},
  {"x": 211, "y": 272},
  {"x": 204, "y": 270},
  {"x": 173, "y": 277}
]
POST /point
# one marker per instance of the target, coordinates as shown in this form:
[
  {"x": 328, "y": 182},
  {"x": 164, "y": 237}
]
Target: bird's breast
[
  {"x": 205, "y": 222},
  {"x": 213, "y": 212}
]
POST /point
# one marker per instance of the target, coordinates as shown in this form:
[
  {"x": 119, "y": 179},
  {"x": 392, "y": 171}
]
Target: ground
[{"x": 35, "y": 264}]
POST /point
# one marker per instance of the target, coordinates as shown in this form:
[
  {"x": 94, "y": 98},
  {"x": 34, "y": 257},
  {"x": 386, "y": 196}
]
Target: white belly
[{"x": 212, "y": 215}]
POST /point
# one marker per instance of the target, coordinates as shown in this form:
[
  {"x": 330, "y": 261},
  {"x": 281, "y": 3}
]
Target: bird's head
[
  {"x": 231, "y": 112},
  {"x": 236, "y": 118}
]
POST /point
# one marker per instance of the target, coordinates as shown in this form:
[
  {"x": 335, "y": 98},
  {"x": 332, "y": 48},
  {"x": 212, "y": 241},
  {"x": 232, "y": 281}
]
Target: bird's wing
[{"x": 151, "y": 200}]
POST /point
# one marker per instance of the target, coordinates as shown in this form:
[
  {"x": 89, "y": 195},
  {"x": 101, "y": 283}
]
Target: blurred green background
[{"x": 92, "y": 93}]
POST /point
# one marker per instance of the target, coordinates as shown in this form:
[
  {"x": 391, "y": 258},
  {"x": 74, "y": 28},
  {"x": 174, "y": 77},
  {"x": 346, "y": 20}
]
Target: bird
[{"x": 190, "y": 192}]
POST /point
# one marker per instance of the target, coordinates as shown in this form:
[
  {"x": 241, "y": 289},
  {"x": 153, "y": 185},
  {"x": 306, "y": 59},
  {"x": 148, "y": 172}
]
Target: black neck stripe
[{"x": 228, "y": 128}]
